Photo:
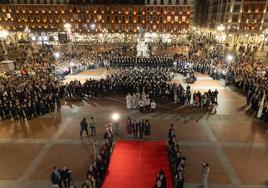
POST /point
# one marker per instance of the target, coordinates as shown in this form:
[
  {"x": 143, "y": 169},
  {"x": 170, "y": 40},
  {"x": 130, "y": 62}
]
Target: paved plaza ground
[{"x": 230, "y": 139}]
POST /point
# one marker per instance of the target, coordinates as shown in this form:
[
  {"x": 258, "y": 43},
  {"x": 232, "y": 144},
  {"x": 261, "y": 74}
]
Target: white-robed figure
[
  {"x": 129, "y": 101},
  {"x": 95, "y": 145},
  {"x": 204, "y": 175},
  {"x": 147, "y": 104},
  {"x": 134, "y": 102},
  {"x": 153, "y": 105},
  {"x": 143, "y": 96}
]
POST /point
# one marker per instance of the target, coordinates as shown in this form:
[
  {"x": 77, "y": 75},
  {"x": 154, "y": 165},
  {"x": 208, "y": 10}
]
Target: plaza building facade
[
  {"x": 234, "y": 21},
  {"x": 96, "y": 15},
  {"x": 238, "y": 15}
]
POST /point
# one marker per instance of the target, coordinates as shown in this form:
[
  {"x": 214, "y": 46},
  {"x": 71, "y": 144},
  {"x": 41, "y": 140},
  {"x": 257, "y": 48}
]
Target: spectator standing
[
  {"x": 204, "y": 175},
  {"x": 66, "y": 176},
  {"x": 83, "y": 127},
  {"x": 92, "y": 125},
  {"x": 56, "y": 178}
]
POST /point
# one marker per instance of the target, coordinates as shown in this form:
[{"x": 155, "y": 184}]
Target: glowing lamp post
[
  {"x": 56, "y": 55},
  {"x": 67, "y": 28},
  {"x": 229, "y": 59},
  {"x": 115, "y": 118},
  {"x": 220, "y": 29},
  {"x": 3, "y": 35}
]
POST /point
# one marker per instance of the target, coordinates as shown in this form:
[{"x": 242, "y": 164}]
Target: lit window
[{"x": 169, "y": 18}]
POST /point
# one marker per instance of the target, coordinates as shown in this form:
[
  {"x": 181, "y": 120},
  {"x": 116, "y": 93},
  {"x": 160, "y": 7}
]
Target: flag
[{"x": 261, "y": 107}]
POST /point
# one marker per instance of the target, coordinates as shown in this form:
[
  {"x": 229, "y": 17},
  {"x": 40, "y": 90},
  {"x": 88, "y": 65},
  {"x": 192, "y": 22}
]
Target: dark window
[
  {"x": 154, "y": 19},
  {"x": 139, "y": 19},
  {"x": 108, "y": 18},
  {"x": 130, "y": 19},
  {"x": 147, "y": 19},
  {"x": 236, "y": 8},
  {"x": 155, "y": 2},
  {"x": 235, "y": 18},
  {"x": 140, "y": 10},
  {"x": 116, "y": 19}
]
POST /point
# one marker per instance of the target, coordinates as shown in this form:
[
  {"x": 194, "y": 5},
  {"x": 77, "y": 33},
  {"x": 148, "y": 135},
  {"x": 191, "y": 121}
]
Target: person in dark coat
[
  {"x": 179, "y": 180},
  {"x": 141, "y": 128},
  {"x": 162, "y": 177},
  {"x": 56, "y": 178},
  {"x": 83, "y": 127},
  {"x": 66, "y": 176},
  {"x": 147, "y": 128},
  {"x": 135, "y": 129}
]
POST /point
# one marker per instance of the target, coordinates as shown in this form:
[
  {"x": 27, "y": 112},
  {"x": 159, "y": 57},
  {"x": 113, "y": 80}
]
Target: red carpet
[{"x": 135, "y": 164}]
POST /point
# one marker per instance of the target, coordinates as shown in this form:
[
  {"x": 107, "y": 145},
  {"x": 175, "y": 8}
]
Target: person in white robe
[
  {"x": 204, "y": 175},
  {"x": 129, "y": 101},
  {"x": 147, "y": 104},
  {"x": 134, "y": 102},
  {"x": 153, "y": 105}
]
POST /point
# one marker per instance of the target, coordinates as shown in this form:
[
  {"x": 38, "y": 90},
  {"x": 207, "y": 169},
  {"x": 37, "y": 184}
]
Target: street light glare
[
  {"x": 115, "y": 116},
  {"x": 229, "y": 57},
  {"x": 56, "y": 55},
  {"x": 92, "y": 26},
  {"x": 4, "y": 34},
  {"x": 67, "y": 27},
  {"x": 221, "y": 28}
]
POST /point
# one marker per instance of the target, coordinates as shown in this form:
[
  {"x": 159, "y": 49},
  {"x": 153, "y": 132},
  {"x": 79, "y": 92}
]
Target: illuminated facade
[
  {"x": 238, "y": 15},
  {"x": 96, "y": 15}
]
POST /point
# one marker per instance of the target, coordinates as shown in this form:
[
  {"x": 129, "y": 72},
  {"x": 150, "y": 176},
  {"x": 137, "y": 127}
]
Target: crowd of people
[
  {"x": 97, "y": 171},
  {"x": 247, "y": 74},
  {"x": 138, "y": 129},
  {"x": 177, "y": 160},
  {"x": 119, "y": 62},
  {"x": 205, "y": 100},
  {"x": 140, "y": 101},
  {"x": 149, "y": 82},
  {"x": 61, "y": 176},
  {"x": 31, "y": 89}
]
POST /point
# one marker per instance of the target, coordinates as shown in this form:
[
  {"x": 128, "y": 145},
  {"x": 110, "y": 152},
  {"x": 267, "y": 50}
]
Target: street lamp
[
  {"x": 67, "y": 27},
  {"x": 92, "y": 27},
  {"x": 3, "y": 35},
  {"x": 56, "y": 55},
  {"x": 229, "y": 58},
  {"x": 27, "y": 31},
  {"x": 115, "y": 118},
  {"x": 221, "y": 28}
]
